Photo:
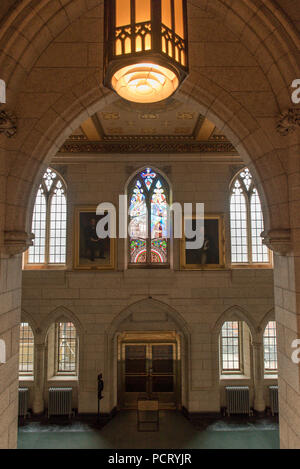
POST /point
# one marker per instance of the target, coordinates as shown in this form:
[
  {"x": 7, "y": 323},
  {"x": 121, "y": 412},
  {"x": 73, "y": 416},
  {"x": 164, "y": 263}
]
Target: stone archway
[
  {"x": 257, "y": 373},
  {"x": 48, "y": 128},
  {"x": 148, "y": 315}
]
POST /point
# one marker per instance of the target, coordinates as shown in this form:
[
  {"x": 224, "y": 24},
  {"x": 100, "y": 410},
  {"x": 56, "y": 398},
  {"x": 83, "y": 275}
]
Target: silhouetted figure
[
  {"x": 100, "y": 389},
  {"x": 100, "y": 386},
  {"x": 94, "y": 245}
]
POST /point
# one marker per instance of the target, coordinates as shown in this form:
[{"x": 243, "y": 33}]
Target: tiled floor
[{"x": 175, "y": 432}]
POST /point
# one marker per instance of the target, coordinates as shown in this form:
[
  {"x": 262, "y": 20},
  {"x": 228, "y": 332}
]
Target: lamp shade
[{"x": 145, "y": 48}]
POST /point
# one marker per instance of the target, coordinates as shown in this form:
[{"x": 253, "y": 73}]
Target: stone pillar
[
  {"x": 258, "y": 376},
  {"x": 39, "y": 378},
  {"x": 12, "y": 245},
  {"x": 287, "y": 307}
]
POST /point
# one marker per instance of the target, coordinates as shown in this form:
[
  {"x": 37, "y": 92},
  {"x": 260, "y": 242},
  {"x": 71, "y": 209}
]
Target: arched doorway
[
  {"x": 148, "y": 347},
  {"x": 149, "y": 367}
]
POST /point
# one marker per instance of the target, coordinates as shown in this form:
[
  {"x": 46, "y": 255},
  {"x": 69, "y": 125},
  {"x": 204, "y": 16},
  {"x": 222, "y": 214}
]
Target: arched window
[
  {"x": 49, "y": 222},
  {"x": 270, "y": 347},
  {"x": 246, "y": 222},
  {"x": 231, "y": 346},
  {"x": 26, "y": 350},
  {"x": 148, "y": 219},
  {"x": 235, "y": 348},
  {"x": 66, "y": 348}
]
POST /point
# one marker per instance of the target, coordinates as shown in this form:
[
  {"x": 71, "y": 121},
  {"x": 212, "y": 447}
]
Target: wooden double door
[{"x": 149, "y": 370}]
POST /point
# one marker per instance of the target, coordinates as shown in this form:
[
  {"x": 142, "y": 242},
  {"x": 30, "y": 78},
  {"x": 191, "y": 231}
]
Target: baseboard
[
  {"x": 200, "y": 415},
  {"x": 88, "y": 417},
  {"x": 93, "y": 415}
]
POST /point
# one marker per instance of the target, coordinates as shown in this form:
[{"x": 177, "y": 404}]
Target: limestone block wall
[
  {"x": 286, "y": 297},
  {"x": 194, "y": 303},
  {"x": 200, "y": 299}
]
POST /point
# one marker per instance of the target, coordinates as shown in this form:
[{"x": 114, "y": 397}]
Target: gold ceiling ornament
[
  {"x": 8, "y": 123},
  {"x": 145, "y": 48},
  {"x": 288, "y": 122},
  {"x": 149, "y": 116},
  {"x": 110, "y": 116},
  {"x": 185, "y": 115}
]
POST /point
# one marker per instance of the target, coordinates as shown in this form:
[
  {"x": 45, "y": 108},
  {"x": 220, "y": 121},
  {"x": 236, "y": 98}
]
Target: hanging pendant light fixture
[{"x": 145, "y": 48}]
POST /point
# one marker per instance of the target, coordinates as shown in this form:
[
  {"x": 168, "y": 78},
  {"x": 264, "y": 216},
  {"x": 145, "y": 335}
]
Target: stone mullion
[
  {"x": 258, "y": 376},
  {"x": 47, "y": 237}
]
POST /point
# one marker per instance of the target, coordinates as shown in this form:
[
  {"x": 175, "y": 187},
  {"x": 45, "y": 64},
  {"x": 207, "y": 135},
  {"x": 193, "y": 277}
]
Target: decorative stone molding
[
  {"x": 16, "y": 242},
  {"x": 289, "y": 121},
  {"x": 8, "y": 123},
  {"x": 148, "y": 146},
  {"x": 279, "y": 241}
]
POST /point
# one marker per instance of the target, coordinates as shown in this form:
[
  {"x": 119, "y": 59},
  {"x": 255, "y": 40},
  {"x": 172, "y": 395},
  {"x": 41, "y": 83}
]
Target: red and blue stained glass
[
  {"x": 148, "y": 176},
  {"x": 148, "y": 206}
]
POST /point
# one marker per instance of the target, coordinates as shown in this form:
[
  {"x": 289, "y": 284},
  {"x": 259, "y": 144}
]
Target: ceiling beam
[
  {"x": 90, "y": 130},
  {"x": 206, "y": 130}
]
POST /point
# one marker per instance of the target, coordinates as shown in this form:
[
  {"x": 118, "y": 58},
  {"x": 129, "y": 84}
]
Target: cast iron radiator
[
  {"x": 23, "y": 402},
  {"x": 238, "y": 400},
  {"x": 273, "y": 390},
  {"x": 60, "y": 401}
]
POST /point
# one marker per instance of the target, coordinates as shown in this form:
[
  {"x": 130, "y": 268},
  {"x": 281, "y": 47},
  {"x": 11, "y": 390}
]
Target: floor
[{"x": 175, "y": 432}]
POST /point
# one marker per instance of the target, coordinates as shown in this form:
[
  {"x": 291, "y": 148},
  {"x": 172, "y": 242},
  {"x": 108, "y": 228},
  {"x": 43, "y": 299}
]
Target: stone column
[
  {"x": 287, "y": 307},
  {"x": 12, "y": 244},
  {"x": 39, "y": 375},
  {"x": 258, "y": 376}
]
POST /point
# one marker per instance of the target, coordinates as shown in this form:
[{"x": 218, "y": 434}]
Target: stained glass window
[
  {"x": 26, "y": 349},
  {"x": 49, "y": 222},
  {"x": 231, "y": 346},
  {"x": 66, "y": 347},
  {"x": 270, "y": 347},
  {"x": 246, "y": 222},
  {"x": 148, "y": 219}
]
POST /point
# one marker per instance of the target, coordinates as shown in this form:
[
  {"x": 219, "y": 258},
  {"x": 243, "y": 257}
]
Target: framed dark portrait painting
[
  {"x": 91, "y": 252},
  {"x": 212, "y": 254}
]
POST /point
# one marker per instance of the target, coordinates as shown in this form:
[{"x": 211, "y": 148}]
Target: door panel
[
  {"x": 162, "y": 359},
  {"x": 135, "y": 359},
  {"x": 162, "y": 384},
  {"x": 136, "y": 384}
]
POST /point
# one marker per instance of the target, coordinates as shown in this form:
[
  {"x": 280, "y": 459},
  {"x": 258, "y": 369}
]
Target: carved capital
[
  {"x": 257, "y": 345},
  {"x": 288, "y": 121},
  {"x": 8, "y": 123},
  {"x": 16, "y": 242},
  {"x": 279, "y": 241}
]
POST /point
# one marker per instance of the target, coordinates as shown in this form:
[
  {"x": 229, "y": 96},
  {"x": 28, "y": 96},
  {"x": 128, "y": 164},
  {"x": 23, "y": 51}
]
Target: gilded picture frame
[
  {"x": 212, "y": 254},
  {"x": 90, "y": 252}
]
